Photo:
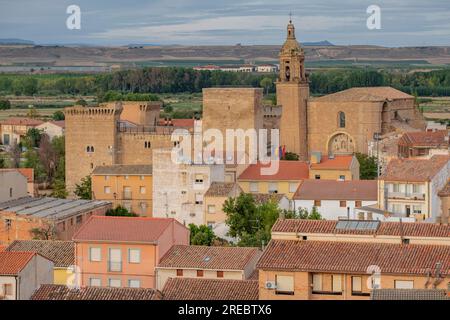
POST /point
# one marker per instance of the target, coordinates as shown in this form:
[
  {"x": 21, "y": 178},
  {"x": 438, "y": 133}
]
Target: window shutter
[
  {"x": 285, "y": 283},
  {"x": 317, "y": 282},
  {"x": 337, "y": 283},
  {"x": 356, "y": 284}
]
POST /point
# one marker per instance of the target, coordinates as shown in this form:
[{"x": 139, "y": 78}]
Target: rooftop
[
  {"x": 358, "y": 94},
  {"x": 337, "y": 190},
  {"x": 212, "y": 258},
  {"x": 18, "y": 121},
  {"x": 425, "y": 139},
  {"x": 11, "y": 263},
  {"x": 334, "y": 163},
  {"x": 407, "y": 229},
  {"x": 288, "y": 171},
  {"x": 50, "y": 208},
  {"x": 62, "y": 253},
  {"x": 354, "y": 257},
  {"x": 123, "y": 229},
  {"x": 220, "y": 189},
  {"x": 187, "y": 123},
  {"x": 28, "y": 173},
  {"x": 120, "y": 169},
  {"x": 61, "y": 292},
  {"x": 415, "y": 170},
  {"x": 210, "y": 289},
  {"x": 409, "y": 294}
]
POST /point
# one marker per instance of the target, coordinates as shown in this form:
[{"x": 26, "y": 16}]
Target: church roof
[{"x": 365, "y": 94}]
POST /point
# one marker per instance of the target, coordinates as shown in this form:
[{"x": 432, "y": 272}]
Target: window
[
  {"x": 107, "y": 189},
  {"x": 179, "y": 272},
  {"x": 396, "y": 187},
  {"x": 211, "y": 208},
  {"x": 199, "y": 178},
  {"x": 79, "y": 219},
  {"x": 219, "y": 274},
  {"x": 417, "y": 188},
  {"x": 342, "y": 203},
  {"x": 317, "y": 203},
  {"x": 405, "y": 241},
  {"x": 147, "y": 145},
  {"x": 134, "y": 283},
  {"x": 10, "y": 192},
  {"x": 356, "y": 284},
  {"x": 360, "y": 215},
  {"x": 317, "y": 282},
  {"x": 292, "y": 186},
  {"x": 337, "y": 283},
  {"x": 285, "y": 284},
  {"x": 358, "y": 204},
  {"x": 273, "y": 187},
  {"x": 417, "y": 209},
  {"x": 396, "y": 208},
  {"x": 404, "y": 284},
  {"x": 7, "y": 289},
  {"x": 253, "y": 186},
  {"x": 95, "y": 254},
  {"x": 63, "y": 226},
  {"x": 341, "y": 178},
  {"x": 199, "y": 273},
  {"x": 198, "y": 198},
  {"x": 95, "y": 282},
  {"x": 134, "y": 255},
  {"x": 116, "y": 283},
  {"x": 142, "y": 177},
  {"x": 142, "y": 190},
  {"x": 317, "y": 177},
  {"x": 341, "y": 119},
  {"x": 106, "y": 178}
]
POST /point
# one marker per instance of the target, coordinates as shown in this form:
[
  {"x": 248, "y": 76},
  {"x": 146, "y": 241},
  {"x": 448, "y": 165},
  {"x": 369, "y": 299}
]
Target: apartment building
[
  {"x": 215, "y": 197},
  {"x": 13, "y": 129},
  {"x": 339, "y": 167},
  {"x": 410, "y": 187},
  {"x": 184, "y": 261},
  {"x": 124, "y": 251},
  {"x": 422, "y": 144},
  {"x": 129, "y": 186}
]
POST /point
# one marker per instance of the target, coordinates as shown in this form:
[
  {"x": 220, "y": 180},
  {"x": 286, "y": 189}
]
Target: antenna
[{"x": 290, "y": 17}]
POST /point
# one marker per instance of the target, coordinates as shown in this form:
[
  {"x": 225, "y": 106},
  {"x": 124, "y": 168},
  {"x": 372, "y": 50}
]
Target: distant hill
[
  {"x": 15, "y": 41},
  {"x": 324, "y": 43}
]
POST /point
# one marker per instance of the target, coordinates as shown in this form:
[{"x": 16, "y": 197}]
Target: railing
[
  {"x": 403, "y": 195},
  {"x": 159, "y": 130},
  {"x": 114, "y": 266}
]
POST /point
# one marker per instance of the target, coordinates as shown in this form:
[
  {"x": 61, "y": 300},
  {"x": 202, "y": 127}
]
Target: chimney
[{"x": 316, "y": 157}]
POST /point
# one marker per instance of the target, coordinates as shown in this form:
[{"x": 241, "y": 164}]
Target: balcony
[
  {"x": 127, "y": 195},
  {"x": 114, "y": 266},
  {"x": 409, "y": 196}
]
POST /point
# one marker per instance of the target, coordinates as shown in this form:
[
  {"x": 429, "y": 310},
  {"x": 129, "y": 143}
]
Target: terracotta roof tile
[
  {"x": 434, "y": 139},
  {"x": 210, "y": 289},
  {"x": 409, "y": 229},
  {"x": 11, "y": 263},
  {"x": 62, "y": 253},
  {"x": 221, "y": 189},
  {"x": 288, "y": 171},
  {"x": 17, "y": 121},
  {"x": 61, "y": 292},
  {"x": 337, "y": 190},
  {"x": 336, "y": 163},
  {"x": 409, "y": 294},
  {"x": 365, "y": 94},
  {"x": 412, "y": 169},
  {"x": 126, "y": 229},
  {"x": 59, "y": 123},
  {"x": 353, "y": 257},
  {"x": 28, "y": 173},
  {"x": 121, "y": 169},
  {"x": 187, "y": 123},
  {"x": 212, "y": 258}
]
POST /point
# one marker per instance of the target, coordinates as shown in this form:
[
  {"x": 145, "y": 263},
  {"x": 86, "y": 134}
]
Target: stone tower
[{"x": 292, "y": 95}]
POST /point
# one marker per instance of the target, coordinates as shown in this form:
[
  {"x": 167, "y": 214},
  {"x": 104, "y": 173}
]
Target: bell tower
[{"x": 292, "y": 95}]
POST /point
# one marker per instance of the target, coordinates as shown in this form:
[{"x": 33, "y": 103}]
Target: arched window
[
  {"x": 88, "y": 149},
  {"x": 341, "y": 119},
  {"x": 92, "y": 148},
  {"x": 288, "y": 73}
]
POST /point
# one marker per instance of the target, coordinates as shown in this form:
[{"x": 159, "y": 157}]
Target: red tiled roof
[
  {"x": 61, "y": 292},
  {"x": 123, "y": 229},
  {"x": 337, "y": 163},
  {"x": 408, "y": 229},
  {"x": 17, "y": 121},
  {"x": 11, "y": 263},
  {"x": 189, "y": 123},
  {"x": 424, "y": 139},
  {"x": 337, "y": 190},
  {"x": 210, "y": 289},
  {"x": 59, "y": 123},
  {"x": 365, "y": 94},
  {"x": 28, "y": 173},
  {"x": 288, "y": 171},
  {"x": 212, "y": 258},
  {"x": 2, "y": 248},
  {"x": 353, "y": 257},
  {"x": 412, "y": 169}
]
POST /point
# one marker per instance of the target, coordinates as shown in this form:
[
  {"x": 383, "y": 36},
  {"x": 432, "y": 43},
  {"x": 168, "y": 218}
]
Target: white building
[
  {"x": 52, "y": 128},
  {"x": 267, "y": 68},
  {"x": 335, "y": 199},
  {"x": 22, "y": 273},
  {"x": 179, "y": 189}
]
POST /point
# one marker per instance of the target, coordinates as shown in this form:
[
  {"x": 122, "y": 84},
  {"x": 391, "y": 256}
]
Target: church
[{"x": 340, "y": 123}]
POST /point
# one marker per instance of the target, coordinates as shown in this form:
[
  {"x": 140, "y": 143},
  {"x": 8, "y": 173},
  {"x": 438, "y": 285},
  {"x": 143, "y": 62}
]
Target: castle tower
[{"x": 292, "y": 95}]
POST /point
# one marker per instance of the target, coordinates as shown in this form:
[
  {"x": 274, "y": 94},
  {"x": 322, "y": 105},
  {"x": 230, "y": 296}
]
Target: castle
[{"x": 340, "y": 123}]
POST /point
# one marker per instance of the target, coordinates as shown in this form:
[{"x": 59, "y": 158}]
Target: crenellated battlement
[{"x": 102, "y": 110}]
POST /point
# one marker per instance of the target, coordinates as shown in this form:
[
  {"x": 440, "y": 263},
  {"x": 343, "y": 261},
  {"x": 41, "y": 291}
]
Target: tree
[
  {"x": 2, "y": 163},
  {"x": 201, "y": 235},
  {"x": 290, "y": 156},
  {"x": 32, "y": 113},
  {"x": 266, "y": 83},
  {"x": 367, "y": 167},
  {"x": 47, "y": 232},
  {"x": 83, "y": 190},
  {"x": 59, "y": 189},
  {"x": 58, "y": 115},
  {"x": 81, "y": 102},
  {"x": 5, "y": 104},
  {"x": 120, "y": 211},
  {"x": 15, "y": 152},
  {"x": 33, "y": 138}
]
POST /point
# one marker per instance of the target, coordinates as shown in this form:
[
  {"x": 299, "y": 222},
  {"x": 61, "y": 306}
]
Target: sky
[{"x": 220, "y": 22}]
